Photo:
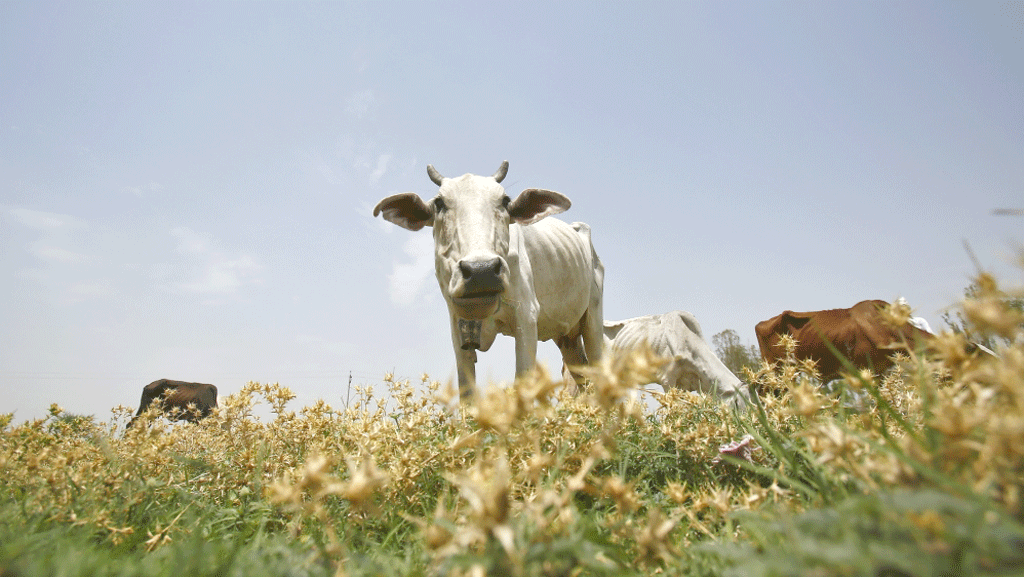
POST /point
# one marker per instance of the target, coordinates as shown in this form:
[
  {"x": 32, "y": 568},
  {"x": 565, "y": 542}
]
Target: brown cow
[
  {"x": 181, "y": 401},
  {"x": 858, "y": 333}
]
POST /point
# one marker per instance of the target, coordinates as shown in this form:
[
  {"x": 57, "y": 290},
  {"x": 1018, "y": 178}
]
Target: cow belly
[
  {"x": 560, "y": 314},
  {"x": 565, "y": 324},
  {"x": 562, "y": 270}
]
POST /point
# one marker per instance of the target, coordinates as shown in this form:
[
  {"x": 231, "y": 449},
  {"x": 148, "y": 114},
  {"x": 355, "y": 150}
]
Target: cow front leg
[
  {"x": 465, "y": 361},
  {"x": 526, "y": 350}
]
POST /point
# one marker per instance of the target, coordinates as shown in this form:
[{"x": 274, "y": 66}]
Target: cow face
[{"x": 471, "y": 216}]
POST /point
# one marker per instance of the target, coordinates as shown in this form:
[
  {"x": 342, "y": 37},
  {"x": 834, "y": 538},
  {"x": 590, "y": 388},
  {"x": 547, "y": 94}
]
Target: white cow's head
[{"x": 471, "y": 215}]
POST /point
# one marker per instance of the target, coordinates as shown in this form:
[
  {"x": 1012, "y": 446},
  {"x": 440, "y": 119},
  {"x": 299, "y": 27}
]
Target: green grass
[{"x": 929, "y": 481}]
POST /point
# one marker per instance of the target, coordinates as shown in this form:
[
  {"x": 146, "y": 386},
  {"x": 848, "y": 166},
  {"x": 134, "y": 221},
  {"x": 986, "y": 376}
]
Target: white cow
[
  {"x": 692, "y": 364},
  {"x": 498, "y": 275}
]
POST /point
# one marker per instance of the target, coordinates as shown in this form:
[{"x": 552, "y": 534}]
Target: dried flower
[{"x": 740, "y": 449}]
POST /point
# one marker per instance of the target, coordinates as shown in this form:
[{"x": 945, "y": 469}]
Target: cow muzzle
[
  {"x": 482, "y": 287},
  {"x": 481, "y": 277}
]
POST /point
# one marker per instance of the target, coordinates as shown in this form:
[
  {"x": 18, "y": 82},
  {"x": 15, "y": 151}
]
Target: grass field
[{"x": 927, "y": 480}]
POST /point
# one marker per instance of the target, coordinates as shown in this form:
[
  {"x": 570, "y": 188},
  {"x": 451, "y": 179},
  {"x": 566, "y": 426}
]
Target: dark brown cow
[
  {"x": 183, "y": 401},
  {"x": 858, "y": 333}
]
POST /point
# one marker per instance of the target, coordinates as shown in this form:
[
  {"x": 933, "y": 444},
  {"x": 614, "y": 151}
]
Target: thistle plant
[{"x": 925, "y": 479}]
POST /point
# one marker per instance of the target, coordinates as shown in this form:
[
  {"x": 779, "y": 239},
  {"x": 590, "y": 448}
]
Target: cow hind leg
[
  {"x": 573, "y": 356},
  {"x": 592, "y": 333}
]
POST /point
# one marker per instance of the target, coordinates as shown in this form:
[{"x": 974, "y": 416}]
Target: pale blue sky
[{"x": 186, "y": 189}]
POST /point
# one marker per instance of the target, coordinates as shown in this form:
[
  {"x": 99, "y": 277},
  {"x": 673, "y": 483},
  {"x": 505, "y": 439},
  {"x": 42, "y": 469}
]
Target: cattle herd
[{"x": 503, "y": 267}]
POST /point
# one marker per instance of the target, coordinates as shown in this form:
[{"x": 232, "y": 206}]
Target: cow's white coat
[
  {"x": 692, "y": 365},
  {"x": 548, "y": 283}
]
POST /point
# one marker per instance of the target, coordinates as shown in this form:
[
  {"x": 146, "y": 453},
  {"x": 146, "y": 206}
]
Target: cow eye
[
  {"x": 439, "y": 204},
  {"x": 505, "y": 201}
]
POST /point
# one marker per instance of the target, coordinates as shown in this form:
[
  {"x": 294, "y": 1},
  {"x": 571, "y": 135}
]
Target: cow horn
[
  {"x": 434, "y": 175},
  {"x": 502, "y": 171}
]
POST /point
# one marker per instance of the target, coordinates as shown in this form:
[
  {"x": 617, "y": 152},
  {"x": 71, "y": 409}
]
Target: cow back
[
  {"x": 179, "y": 395},
  {"x": 690, "y": 363},
  {"x": 858, "y": 334}
]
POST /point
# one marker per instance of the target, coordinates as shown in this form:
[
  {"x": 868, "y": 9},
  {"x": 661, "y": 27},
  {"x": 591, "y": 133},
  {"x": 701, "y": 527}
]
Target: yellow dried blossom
[
  {"x": 677, "y": 492},
  {"x": 807, "y": 401},
  {"x": 622, "y": 493},
  {"x": 654, "y": 542}
]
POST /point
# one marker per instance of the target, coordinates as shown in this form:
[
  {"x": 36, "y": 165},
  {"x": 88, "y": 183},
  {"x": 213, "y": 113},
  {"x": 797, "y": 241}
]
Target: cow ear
[
  {"x": 612, "y": 328},
  {"x": 407, "y": 210},
  {"x": 534, "y": 204},
  {"x": 691, "y": 323}
]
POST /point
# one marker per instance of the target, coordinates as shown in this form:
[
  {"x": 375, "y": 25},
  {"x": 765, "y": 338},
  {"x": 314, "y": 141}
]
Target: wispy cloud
[
  {"x": 326, "y": 347},
  {"x": 407, "y": 280},
  {"x": 33, "y": 274},
  {"x": 56, "y": 254},
  {"x": 55, "y": 232},
  {"x": 211, "y": 269},
  {"x": 88, "y": 290},
  {"x": 46, "y": 221},
  {"x": 190, "y": 241},
  {"x": 144, "y": 189},
  {"x": 314, "y": 163},
  {"x": 345, "y": 163},
  {"x": 371, "y": 165},
  {"x": 60, "y": 266},
  {"x": 382, "y": 167},
  {"x": 361, "y": 59},
  {"x": 224, "y": 276},
  {"x": 360, "y": 103}
]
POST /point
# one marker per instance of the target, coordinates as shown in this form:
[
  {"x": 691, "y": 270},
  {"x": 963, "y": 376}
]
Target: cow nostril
[
  {"x": 494, "y": 267},
  {"x": 482, "y": 277},
  {"x": 485, "y": 268}
]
